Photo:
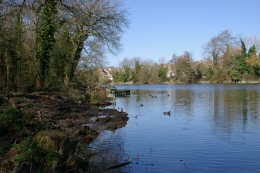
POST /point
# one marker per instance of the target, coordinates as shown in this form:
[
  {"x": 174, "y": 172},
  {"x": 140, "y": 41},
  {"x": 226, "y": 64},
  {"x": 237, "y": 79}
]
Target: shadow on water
[{"x": 110, "y": 153}]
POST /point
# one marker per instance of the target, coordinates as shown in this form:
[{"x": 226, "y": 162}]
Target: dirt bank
[{"x": 77, "y": 121}]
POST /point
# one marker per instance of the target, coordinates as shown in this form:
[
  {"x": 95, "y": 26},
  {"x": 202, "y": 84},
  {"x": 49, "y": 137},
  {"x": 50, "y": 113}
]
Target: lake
[{"x": 211, "y": 128}]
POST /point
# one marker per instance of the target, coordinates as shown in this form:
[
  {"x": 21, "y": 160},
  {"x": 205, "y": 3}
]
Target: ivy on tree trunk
[{"x": 45, "y": 39}]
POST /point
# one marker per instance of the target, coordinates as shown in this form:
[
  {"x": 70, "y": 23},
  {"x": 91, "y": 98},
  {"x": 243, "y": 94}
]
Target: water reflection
[
  {"x": 235, "y": 108},
  {"x": 110, "y": 153},
  {"x": 218, "y": 124},
  {"x": 184, "y": 99}
]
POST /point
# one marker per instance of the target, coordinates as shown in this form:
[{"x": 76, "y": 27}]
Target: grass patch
[{"x": 29, "y": 106}]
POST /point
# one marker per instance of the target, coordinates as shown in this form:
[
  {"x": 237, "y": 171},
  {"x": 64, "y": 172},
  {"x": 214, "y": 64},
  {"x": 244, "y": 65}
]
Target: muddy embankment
[{"x": 57, "y": 124}]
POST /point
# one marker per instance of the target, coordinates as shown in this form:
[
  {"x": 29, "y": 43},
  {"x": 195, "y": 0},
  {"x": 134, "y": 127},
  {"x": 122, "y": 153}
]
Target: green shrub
[
  {"x": 29, "y": 150},
  {"x": 29, "y": 106},
  {"x": 13, "y": 118},
  {"x": 26, "y": 151},
  {"x": 45, "y": 126},
  {"x": 235, "y": 76},
  {"x": 51, "y": 156}
]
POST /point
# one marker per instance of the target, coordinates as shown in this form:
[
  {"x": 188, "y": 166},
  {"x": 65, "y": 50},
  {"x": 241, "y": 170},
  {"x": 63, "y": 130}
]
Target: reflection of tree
[
  {"x": 222, "y": 110},
  {"x": 140, "y": 95},
  {"x": 184, "y": 98},
  {"x": 244, "y": 101},
  {"x": 232, "y": 108},
  {"x": 253, "y": 96}
]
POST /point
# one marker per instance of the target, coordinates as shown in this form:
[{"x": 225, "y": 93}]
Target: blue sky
[{"x": 159, "y": 28}]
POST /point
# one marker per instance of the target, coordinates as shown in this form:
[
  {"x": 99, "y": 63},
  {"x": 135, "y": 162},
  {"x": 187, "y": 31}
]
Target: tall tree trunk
[
  {"x": 215, "y": 60},
  {"x": 19, "y": 42},
  {"x": 76, "y": 57},
  {"x": 45, "y": 39},
  {"x": 12, "y": 81},
  {"x": 3, "y": 73},
  {"x": 74, "y": 64}
]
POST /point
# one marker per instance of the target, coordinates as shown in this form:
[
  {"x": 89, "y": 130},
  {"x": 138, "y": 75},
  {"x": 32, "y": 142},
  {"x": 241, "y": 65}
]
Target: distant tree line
[
  {"x": 44, "y": 42},
  {"x": 137, "y": 71},
  {"x": 228, "y": 59}
]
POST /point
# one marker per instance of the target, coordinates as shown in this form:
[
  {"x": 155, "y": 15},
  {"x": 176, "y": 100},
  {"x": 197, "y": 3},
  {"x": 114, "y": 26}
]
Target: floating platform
[
  {"x": 112, "y": 90},
  {"x": 121, "y": 92}
]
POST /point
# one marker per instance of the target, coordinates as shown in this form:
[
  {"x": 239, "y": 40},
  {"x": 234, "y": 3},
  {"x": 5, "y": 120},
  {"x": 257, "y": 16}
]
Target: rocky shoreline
[{"x": 57, "y": 122}]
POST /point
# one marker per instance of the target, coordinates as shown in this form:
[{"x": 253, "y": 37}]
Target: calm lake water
[{"x": 212, "y": 128}]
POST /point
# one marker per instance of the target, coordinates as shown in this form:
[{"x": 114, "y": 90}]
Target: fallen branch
[{"x": 119, "y": 165}]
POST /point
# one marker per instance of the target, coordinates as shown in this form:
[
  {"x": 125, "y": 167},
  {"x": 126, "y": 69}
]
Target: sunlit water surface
[{"x": 212, "y": 129}]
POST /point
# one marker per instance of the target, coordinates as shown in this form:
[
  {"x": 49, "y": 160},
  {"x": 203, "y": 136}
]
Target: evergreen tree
[
  {"x": 241, "y": 65},
  {"x": 252, "y": 51},
  {"x": 163, "y": 73},
  {"x": 136, "y": 72},
  {"x": 243, "y": 49},
  {"x": 253, "y": 61},
  {"x": 238, "y": 64},
  {"x": 127, "y": 74}
]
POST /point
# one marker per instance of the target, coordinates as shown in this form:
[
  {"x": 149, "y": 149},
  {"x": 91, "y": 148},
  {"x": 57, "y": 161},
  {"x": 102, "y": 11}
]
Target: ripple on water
[{"x": 212, "y": 128}]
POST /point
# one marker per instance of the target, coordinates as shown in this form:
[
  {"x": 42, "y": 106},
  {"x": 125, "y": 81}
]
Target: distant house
[
  {"x": 106, "y": 73},
  {"x": 170, "y": 72}
]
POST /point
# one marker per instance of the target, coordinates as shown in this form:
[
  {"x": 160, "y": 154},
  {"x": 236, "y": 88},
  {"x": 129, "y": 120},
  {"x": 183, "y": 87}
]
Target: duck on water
[{"x": 167, "y": 113}]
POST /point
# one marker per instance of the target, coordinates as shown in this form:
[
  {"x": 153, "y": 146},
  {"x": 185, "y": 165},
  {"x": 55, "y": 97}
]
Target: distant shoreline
[{"x": 200, "y": 82}]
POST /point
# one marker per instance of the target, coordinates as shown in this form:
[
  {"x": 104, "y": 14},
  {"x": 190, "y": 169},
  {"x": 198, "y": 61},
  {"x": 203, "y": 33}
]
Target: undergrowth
[
  {"x": 28, "y": 150},
  {"x": 13, "y": 119}
]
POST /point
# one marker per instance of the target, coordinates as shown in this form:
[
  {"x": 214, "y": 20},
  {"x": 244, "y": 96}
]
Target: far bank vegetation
[{"x": 228, "y": 59}]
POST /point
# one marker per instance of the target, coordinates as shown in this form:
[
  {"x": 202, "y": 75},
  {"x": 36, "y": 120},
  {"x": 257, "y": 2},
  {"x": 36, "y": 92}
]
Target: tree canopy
[{"x": 43, "y": 42}]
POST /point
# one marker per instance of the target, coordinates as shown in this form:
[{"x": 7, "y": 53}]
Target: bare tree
[
  {"x": 93, "y": 55},
  {"x": 127, "y": 62},
  {"x": 102, "y": 20},
  {"x": 252, "y": 41},
  {"x": 82, "y": 31},
  {"x": 216, "y": 47}
]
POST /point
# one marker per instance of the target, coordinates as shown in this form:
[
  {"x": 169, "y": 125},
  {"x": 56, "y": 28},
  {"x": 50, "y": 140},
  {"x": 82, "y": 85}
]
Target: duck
[
  {"x": 167, "y": 113},
  {"x": 141, "y": 105}
]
